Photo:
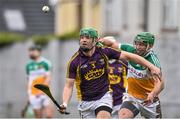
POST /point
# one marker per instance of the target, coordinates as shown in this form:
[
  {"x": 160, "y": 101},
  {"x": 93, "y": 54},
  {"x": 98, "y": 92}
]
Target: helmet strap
[
  {"x": 147, "y": 50},
  {"x": 94, "y": 44}
]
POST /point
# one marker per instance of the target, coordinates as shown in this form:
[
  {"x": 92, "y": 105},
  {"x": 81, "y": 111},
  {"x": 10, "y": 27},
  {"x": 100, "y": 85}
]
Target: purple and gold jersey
[
  {"x": 90, "y": 73},
  {"x": 117, "y": 76}
]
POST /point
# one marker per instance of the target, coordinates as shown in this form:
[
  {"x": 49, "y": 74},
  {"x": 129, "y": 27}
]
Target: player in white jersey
[{"x": 39, "y": 72}]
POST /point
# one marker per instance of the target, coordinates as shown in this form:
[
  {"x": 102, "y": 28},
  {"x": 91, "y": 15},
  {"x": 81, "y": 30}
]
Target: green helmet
[
  {"x": 145, "y": 37},
  {"x": 35, "y": 47},
  {"x": 89, "y": 31}
]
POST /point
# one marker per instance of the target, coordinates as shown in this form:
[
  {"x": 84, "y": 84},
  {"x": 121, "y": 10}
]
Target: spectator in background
[{"x": 39, "y": 72}]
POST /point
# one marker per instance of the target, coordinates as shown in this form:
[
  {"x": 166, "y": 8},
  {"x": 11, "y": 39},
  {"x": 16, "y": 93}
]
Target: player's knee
[
  {"x": 123, "y": 113},
  {"x": 49, "y": 111},
  {"x": 128, "y": 110},
  {"x": 49, "y": 115},
  {"x": 103, "y": 115},
  {"x": 103, "y": 112}
]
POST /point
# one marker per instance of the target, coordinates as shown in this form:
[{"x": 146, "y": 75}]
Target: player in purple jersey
[
  {"x": 88, "y": 70},
  {"x": 117, "y": 75}
]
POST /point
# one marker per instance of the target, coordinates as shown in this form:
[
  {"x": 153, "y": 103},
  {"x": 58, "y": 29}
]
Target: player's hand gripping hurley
[{"x": 46, "y": 90}]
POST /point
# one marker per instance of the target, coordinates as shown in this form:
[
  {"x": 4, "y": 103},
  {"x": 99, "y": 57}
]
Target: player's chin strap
[{"x": 147, "y": 50}]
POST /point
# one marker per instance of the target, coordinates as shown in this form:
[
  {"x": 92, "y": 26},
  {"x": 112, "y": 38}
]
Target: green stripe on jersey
[
  {"x": 35, "y": 66},
  {"x": 152, "y": 57}
]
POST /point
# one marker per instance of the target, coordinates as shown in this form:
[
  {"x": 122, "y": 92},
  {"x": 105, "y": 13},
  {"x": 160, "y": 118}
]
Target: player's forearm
[
  {"x": 67, "y": 92},
  {"x": 159, "y": 86}
]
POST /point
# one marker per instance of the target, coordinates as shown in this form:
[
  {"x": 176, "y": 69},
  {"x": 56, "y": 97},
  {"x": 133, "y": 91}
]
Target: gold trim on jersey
[
  {"x": 70, "y": 61},
  {"x": 125, "y": 77},
  {"x": 78, "y": 83},
  {"x": 114, "y": 79}
]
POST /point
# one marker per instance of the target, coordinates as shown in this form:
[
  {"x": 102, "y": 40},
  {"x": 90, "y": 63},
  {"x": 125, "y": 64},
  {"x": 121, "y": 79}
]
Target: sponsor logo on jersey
[
  {"x": 114, "y": 79},
  {"x": 139, "y": 74},
  {"x": 94, "y": 74}
]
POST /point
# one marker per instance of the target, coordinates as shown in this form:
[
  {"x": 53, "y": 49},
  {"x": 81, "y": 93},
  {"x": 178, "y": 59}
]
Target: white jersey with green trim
[
  {"x": 139, "y": 84},
  {"x": 37, "y": 72}
]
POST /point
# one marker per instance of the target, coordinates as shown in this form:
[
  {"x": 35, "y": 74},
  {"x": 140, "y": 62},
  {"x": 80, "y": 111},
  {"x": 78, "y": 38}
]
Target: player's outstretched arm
[{"x": 155, "y": 71}]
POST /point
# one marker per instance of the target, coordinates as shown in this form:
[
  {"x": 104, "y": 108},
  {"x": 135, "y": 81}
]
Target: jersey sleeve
[
  {"x": 27, "y": 69},
  {"x": 47, "y": 65},
  {"x": 154, "y": 60},
  {"x": 72, "y": 69},
  {"x": 111, "y": 53},
  {"x": 127, "y": 47}
]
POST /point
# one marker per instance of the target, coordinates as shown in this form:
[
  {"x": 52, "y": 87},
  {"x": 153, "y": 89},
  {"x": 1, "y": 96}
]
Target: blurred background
[{"x": 23, "y": 23}]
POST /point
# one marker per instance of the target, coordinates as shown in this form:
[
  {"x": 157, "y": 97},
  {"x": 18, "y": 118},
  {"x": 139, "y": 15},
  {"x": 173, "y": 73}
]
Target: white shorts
[
  {"x": 115, "y": 111},
  {"x": 39, "y": 101},
  {"x": 148, "y": 111},
  {"x": 87, "y": 108}
]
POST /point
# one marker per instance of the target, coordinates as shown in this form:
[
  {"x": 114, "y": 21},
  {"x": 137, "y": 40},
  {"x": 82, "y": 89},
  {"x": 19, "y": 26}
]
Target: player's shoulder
[
  {"x": 29, "y": 63},
  {"x": 46, "y": 61},
  {"x": 127, "y": 47},
  {"x": 126, "y": 44},
  {"x": 105, "y": 48},
  {"x": 153, "y": 58},
  {"x": 74, "y": 58},
  {"x": 151, "y": 55}
]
